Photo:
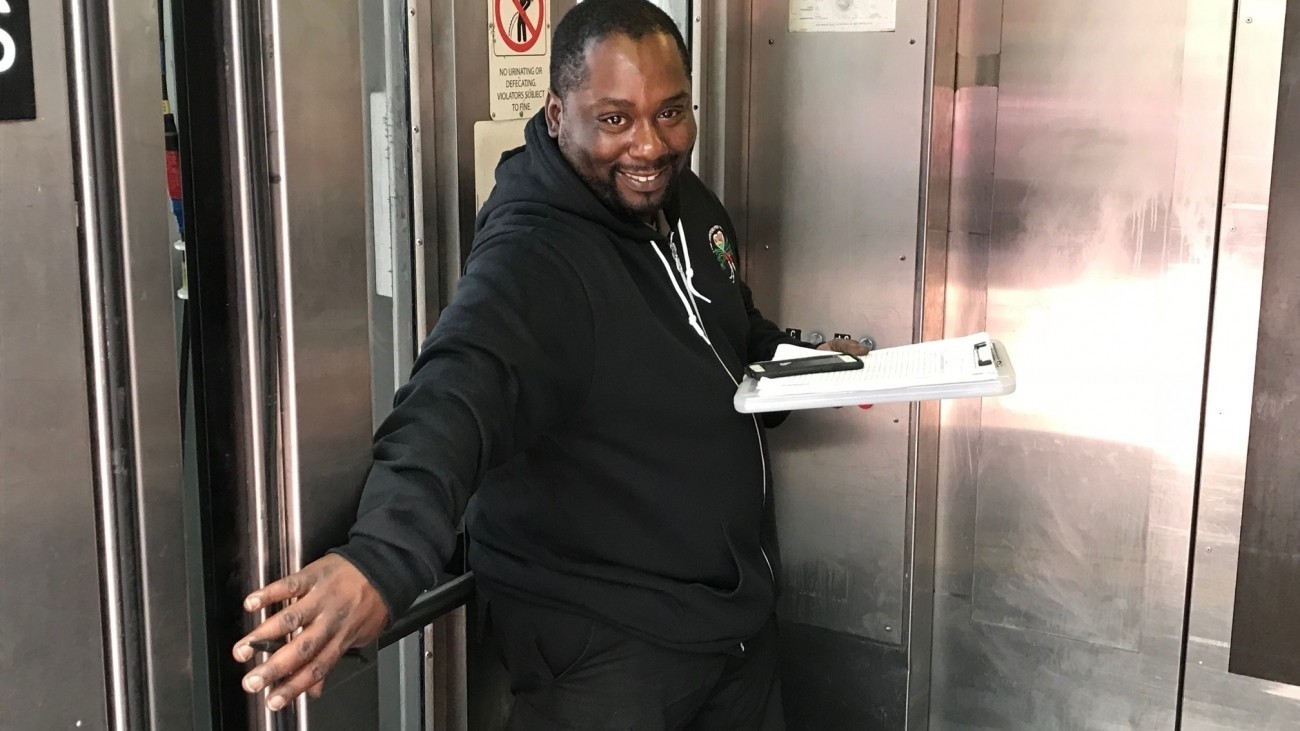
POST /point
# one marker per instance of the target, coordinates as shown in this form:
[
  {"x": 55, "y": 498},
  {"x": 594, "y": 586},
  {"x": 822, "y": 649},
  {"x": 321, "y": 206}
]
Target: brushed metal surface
[
  {"x": 47, "y": 507},
  {"x": 318, "y": 199},
  {"x": 833, "y": 220},
  {"x": 126, "y": 282},
  {"x": 931, "y": 297},
  {"x": 1213, "y": 697},
  {"x": 1265, "y": 640},
  {"x": 1085, "y": 186},
  {"x": 146, "y": 272}
]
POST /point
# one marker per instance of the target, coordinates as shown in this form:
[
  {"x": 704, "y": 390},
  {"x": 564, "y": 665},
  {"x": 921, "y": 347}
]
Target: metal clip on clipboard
[{"x": 986, "y": 354}]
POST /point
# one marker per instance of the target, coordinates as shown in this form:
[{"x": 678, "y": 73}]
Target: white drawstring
[
  {"x": 691, "y": 315},
  {"x": 690, "y": 273}
]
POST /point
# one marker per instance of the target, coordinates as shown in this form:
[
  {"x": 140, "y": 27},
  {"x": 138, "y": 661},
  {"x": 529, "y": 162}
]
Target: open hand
[{"x": 336, "y": 609}]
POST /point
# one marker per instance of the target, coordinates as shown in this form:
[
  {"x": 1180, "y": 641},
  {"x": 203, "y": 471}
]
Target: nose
[{"x": 647, "y": 145}]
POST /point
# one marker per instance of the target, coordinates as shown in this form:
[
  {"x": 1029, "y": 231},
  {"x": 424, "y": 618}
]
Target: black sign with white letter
[{"x": 17, "y": 82}]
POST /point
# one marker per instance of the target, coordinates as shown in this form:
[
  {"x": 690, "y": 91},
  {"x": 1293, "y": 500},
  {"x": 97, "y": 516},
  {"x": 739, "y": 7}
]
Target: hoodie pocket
[
  {"x": 728, "y": 593},
  {"x": 540, "y": 645},
  {"x": 563, "y": 649}
]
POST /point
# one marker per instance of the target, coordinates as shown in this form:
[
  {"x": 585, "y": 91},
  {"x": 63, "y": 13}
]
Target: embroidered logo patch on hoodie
[{"x": 722, "y": 250}]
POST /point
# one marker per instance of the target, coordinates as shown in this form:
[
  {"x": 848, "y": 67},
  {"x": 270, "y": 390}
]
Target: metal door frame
[
  {"x": 275, "y": 196},
  {"x": 1209, "y": 692}
]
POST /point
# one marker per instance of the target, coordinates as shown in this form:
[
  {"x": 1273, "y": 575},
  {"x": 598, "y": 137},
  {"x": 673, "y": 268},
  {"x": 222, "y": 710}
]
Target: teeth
[{"x": 642, "y": 178}]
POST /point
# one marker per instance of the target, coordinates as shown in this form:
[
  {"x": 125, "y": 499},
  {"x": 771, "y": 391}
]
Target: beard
[{"x": 603, "y": 181}]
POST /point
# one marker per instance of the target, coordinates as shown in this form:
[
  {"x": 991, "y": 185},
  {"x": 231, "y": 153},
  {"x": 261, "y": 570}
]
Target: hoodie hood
[{"x": 536, "y": 177}]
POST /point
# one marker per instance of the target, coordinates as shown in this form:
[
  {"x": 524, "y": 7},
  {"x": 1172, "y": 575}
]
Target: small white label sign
[{"x": 843, "y": 16}]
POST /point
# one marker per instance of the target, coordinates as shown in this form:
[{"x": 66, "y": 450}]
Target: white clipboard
[{"x": 974, "y": 366}]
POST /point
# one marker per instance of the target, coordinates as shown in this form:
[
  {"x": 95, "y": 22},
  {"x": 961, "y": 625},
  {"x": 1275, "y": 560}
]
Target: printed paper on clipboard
[{"x": 970, "y": 367}]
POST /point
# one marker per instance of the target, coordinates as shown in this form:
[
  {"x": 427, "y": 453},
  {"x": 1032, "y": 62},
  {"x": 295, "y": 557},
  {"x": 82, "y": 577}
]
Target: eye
[
  {"x": 614, "y": 120},
  {"x": 672, "y": 113}
]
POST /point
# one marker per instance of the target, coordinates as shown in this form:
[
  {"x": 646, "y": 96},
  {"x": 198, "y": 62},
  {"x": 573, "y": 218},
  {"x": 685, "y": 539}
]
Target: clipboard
[{"x": 975, "y": 366}]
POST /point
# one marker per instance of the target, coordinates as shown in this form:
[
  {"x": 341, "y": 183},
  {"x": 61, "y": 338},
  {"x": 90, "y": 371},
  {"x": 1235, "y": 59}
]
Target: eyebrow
[{"x": 626, "y": 104}]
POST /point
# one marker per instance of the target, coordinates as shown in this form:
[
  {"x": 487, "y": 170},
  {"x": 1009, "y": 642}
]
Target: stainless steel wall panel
[
  {"x": 931, "y": 299},
  {"x": 959, "y": 443},
  {"x": 832, "y": 247},
  {"x": 316, "y": 142},
  {"x": 1065, "y": 509},
  {"x": 979, "y": 46},
  {"x": 46, "y": 506},
  {"x": 115, "y": 84},
  {"x": 1215, "y": 698},
  {"x": 150, "y": 323},
  {"x": 1265, "y": 640},
  {"x": 48, "y": 542}
]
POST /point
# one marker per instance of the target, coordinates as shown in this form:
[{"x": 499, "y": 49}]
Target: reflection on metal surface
[
  {"x": 833, "y": 242},
  {"x": 318, "y": 215},
  {"x": 393, "y": 180},
  {"x": 931, "y": 286},
  {"x": 1085, "y": 186},
  {"x": 126, "y": 287},
  {"x": 1213, "y": 697},
  {"x": 47, "y": 507},
  {"x": 1265, "y": 635},
  {"x": 120, "y": 598},
  {"x": 258, "y": 553}
]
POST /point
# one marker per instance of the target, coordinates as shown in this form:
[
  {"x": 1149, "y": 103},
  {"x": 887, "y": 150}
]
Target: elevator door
[
  {"x": 1109, "y": 187},
  {"x": 1103, "y": 228}
]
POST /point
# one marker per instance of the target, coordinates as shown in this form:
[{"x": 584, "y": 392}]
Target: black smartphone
[{"x": 828, "y": 363}]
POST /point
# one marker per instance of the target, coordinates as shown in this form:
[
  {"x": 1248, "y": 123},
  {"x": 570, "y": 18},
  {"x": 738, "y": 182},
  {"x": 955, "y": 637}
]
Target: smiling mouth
[{"x": 645, "y": 182}]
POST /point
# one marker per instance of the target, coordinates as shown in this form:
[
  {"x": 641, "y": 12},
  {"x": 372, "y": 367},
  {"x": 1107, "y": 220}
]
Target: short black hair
[{"x": 594, "y": 20}]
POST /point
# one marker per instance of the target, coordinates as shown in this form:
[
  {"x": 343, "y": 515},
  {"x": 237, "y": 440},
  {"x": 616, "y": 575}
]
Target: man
[{"x": 579, "y": 388}]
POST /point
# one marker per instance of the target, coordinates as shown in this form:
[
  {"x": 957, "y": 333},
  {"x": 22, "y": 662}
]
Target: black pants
[{"x": 570, "y": 672}]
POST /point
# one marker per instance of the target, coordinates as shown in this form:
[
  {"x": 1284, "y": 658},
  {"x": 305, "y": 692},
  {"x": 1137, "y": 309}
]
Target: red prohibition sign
[{"x": 533, "y": 32}]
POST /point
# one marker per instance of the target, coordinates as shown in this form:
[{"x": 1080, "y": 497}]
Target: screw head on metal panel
[
  {"x": 772, "y": 41},
  {"x": 1250, "y": 20},
  {"x": 816, "y": 338},
  {"x": 868, "y": 341}
]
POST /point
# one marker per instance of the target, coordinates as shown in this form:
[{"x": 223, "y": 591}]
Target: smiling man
[{"x": 575, "y": 404}]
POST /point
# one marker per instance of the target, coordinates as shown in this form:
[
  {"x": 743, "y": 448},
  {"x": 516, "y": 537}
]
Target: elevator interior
[{"x": 1102, "y": 185}]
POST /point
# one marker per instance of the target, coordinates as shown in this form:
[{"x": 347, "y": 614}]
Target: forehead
[{"x": 651, "y": 64}]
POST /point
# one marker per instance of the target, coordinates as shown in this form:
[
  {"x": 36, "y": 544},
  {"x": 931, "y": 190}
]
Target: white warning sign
[
  {"x": 519, "y": 56},
  {"x": 843, "y": 16}
]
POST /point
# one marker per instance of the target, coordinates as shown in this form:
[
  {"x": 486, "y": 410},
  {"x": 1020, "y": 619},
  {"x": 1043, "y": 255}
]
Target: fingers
[
  {"x": 277, "y": 626},
  {"x": 848, "y": 347},
  {"x": 309, "y": 649},
  {"x": 337, "y": 608},
  {"x": 308, "y": 676},
  {"x": 293, "y": 586},
  {"x": 317, "y": 690}
]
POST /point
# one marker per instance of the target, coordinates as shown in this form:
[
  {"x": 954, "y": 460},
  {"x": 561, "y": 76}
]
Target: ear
[{"x": 554, "y": 108}]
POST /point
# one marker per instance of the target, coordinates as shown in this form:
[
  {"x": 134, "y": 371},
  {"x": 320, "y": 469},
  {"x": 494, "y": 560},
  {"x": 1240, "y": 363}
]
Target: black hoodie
[{"x": 569, "y": 391}]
